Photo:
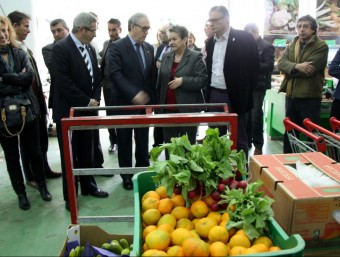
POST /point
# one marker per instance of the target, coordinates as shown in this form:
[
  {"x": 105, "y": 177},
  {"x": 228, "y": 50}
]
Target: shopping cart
[
  {"x": 332, "y": 139},
  {"x": 301, "y": 140}
]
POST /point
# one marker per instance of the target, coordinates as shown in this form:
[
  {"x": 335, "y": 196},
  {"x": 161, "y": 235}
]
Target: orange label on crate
[{"x": 332, "y": 230}]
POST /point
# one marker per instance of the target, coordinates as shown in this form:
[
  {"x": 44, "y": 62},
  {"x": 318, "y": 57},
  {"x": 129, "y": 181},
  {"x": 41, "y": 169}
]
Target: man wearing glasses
[
  {"x": 77, "y": 83},
  {"x": 133, "y": 71},
  {"x": 303, "y": 63},
  {"x": 233, "y": 68}
]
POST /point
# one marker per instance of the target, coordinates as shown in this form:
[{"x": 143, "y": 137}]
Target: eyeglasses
[
  {"x": 304, "y": 26},
  {"x": 144, "y": 29},
  {"x": 92, "y": 30},
  {"x": 215, "y": 20}
]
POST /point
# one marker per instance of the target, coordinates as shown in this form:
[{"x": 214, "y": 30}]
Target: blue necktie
[
  {"x": 140, "y": 56},
  {"x": 86, "y": 60}
]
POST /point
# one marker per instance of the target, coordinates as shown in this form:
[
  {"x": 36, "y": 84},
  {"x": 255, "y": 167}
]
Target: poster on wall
[
  {"x": 328, "y": 17},
  {"x": 280, "y": 17}
]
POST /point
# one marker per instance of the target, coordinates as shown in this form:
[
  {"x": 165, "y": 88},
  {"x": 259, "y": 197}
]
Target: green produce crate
[{"x": 142, "y": 182}]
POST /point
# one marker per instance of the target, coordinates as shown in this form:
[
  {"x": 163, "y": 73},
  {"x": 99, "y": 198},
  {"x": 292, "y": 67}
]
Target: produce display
[{"x": 202, "y": 205}]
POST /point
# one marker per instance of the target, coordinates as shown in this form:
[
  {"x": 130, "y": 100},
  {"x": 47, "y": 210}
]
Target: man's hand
[
  {"x": 158, "y": 64},
  {"x": 141, "y": 98},
  {"x": 93, "y": 103},
  {"x": 305, "y": 67}
]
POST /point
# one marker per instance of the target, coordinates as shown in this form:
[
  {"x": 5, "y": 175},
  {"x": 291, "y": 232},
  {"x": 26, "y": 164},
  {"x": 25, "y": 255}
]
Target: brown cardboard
[
  {"x": 299, "y": 208},
  {"x": 95, "y": 236}
]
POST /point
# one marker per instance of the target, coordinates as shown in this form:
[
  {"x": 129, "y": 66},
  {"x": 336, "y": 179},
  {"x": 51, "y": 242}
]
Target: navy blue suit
[
  {"x": 74, "y": 88},
  {"x": 129, "y": 79}
]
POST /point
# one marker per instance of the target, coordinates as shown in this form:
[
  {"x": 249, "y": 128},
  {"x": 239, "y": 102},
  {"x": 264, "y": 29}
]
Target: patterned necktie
[
  {"x": 86, "y": 60},
  {"x": 140, "y": 56}
]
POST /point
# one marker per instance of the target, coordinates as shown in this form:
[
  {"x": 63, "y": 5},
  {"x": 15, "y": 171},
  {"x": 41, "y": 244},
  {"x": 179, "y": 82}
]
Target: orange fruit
[
  {"x": 237, "y": 250},
  {"x": 265, "y": 240},
  {"x": 195, "y": 247},
  {"x": 185, "y": 223},
  {"x": 241, "y": 232},
  {"x": 194, "y": 233},
  {"x": 199, "y": 209},
  {"x": 218, "y": 249},
  {"x": 179, "y": 235},
  {"x": 218, "y": 233},
  {"x": 239, "y": 240},
  {"x": 223, "y": 223},
  {"x": 165, "y": 205},
  {"x": 175, "y": 250},
  {"x": 231, "y": 207},
  {"x": 166, "y": 227},
  {"x": 180, "y": 212},
  {"x": 260, "y": 247},
  {"x": 250, "y": 250},
  {"x": 158, "y": 239},
  {"x": 208, "y": 200},
  {"x": 161, "y": 190},
  {"x": 151, "y": 217},
  {"x": 148, "y": 229},
  {"x": 145, "y": 247},
  {"x": 154, "y": 252},
  {"x": 150, "y": 203},
  {"x": 167, "y": 219},
  {"x": 215, "y": 215},
  {"x": 152, "y": 194},
  {"x": 274, "y": 249},
  {"x": 225, "y": 216},
  {"x": 178, "y": 200},
  {"x": 204, "y": 225}
]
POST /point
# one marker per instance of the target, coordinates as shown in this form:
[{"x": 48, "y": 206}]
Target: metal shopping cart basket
[
  {"x": 148, "y": 119},
  {"x": 301, "y": 140},
  {"x": 332, "y": 139}
]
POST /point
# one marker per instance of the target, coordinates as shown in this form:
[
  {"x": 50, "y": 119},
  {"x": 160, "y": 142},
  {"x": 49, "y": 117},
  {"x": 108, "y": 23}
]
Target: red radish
[
  {"x": 221, "y": 187},
  {"x": 214, "y": 207},
  {"x": 177, "y": 190},
  {"x": 192, "y": 194},
  {"x": 223, "y": 206},
  {"x": 216, "y": 196},
  {"x": 242, "y": 184},
  {"x": 238, "y": 175},
  {"x": 233, "y": 184},
  {"x": 226, "y": 181}
]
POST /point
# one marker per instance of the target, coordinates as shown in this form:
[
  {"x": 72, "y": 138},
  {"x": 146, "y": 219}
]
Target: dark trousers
[
  {"x": 29, "y": 142},
  {"x": 255, "y": 121},
  {"x": 297, "y": 110},
  {"x": 43, "y": 138},
  {"x": 83, "y": 157},
  {"x": 223, "y": 97},
  {"x": 141, "y": 137},
  {"x": 158, "y": 136},
  {"x": 335, "y": 109},
  {"x": 112, "y": 132}
]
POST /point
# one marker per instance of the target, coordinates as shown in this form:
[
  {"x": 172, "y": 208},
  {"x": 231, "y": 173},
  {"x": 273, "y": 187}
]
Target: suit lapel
[
  {"x": 184, "y": 61},
  {"x": 132, "y": 52}
]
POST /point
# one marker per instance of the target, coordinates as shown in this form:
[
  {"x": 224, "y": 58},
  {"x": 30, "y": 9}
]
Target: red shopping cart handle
[
  {"x": 319, "y": 140},
  {"x": 311, "y": 126},
  {"x": 335, "y": 123}
]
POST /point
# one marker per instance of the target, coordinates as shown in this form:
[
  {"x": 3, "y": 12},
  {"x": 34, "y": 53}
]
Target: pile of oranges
[{"x": 172, "y": 229}]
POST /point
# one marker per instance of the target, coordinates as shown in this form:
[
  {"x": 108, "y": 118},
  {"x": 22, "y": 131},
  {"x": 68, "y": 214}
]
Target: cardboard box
[
  {"x": 95, "y": 236},
  {"x": 299, "y": 208}
]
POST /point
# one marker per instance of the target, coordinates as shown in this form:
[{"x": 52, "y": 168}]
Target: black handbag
[{"x": 16, "y": 112}]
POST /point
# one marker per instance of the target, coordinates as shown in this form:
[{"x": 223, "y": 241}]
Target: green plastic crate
[{"x": 291, "y": 246}]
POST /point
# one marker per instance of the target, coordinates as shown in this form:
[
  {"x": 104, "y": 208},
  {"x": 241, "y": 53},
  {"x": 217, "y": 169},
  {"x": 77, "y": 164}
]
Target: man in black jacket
[{"x": 255, "y": 116}]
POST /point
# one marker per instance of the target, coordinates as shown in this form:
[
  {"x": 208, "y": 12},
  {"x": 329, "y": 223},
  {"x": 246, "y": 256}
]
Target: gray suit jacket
[{"x": 193, "y": 71}]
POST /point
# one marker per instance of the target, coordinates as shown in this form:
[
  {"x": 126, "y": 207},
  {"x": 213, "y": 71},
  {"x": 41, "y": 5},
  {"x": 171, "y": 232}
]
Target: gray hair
[
  {"x": 134, "y": 19},
  {"x": 221, "y": 9},
  {"x": 83, "y": 19},
  {"x": 181, "y": 31}
]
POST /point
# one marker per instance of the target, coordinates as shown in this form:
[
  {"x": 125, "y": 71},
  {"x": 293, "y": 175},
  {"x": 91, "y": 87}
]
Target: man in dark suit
[
  {"x": 133, "y": 71},
  {"x": 233, "y": 67},
  {"x": 20, "y": 22},
  {"x": 59, "y": 31},
  {"x": 109, "y": 90},
  {"x": 77, "y": 84}
]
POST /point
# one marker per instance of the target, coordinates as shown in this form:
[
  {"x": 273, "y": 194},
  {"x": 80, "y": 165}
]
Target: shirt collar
[{"x": 76, "y": 41}]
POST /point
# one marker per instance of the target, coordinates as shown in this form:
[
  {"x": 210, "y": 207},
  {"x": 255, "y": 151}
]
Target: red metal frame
[
  {"x": 312, "y": 126},
  {"x": 147, "y": 120},
  {"x": 319, "y": 140},
  {"x": 335, "y": 124}
]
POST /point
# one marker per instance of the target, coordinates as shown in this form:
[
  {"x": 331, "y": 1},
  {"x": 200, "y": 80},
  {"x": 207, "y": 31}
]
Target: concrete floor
[{"x": 41, "y": 231}]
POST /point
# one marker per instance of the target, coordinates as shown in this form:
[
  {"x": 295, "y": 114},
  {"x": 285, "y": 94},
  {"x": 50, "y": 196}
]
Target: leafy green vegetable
[
  {"x": 190, "y": 166},
  {"x": 251, "y": 209}
]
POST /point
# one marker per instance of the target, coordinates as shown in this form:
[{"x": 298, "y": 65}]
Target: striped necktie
[{"x": 86, "y": 60}]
